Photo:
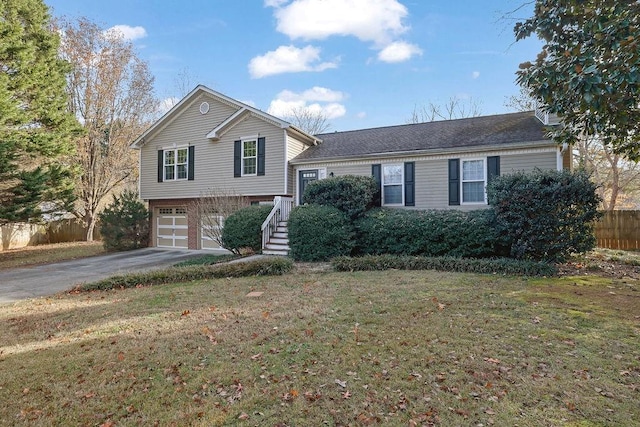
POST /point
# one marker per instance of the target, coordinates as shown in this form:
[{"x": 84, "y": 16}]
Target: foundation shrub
[
  {"x": 319, "y": 233},
  {"x": 241, "y": 232},
  {"x": 545, "y": 215},
  {"x": 427, "y": 233},
  {"x": 351, "y": 194}
]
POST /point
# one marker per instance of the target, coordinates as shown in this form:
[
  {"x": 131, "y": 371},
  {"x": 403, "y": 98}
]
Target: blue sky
[{"x": 363, "y": 63}]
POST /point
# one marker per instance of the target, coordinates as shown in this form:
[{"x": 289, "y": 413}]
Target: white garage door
[
  {"x": 172, "y": 228},
  {"x": 215, "y": 224}
]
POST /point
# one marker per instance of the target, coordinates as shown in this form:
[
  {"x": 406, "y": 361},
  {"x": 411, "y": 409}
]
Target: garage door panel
[{"x": 171, "y": 228}]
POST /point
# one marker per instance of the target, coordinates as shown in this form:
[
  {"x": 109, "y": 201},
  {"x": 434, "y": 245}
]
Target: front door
[{"x": 305, "y": 178}]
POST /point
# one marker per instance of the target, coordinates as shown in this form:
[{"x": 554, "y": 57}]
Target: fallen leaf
[
  {"x": 265, "y": 314},
  {"x": 492, "y": 360},
  {"x": 342, "y": 384},
  {"x": 346, "y": 395},
  {"x": 121, "y": 356},
  {"x": 243, "y": 416},
  {"x": 186, "y": 313}
]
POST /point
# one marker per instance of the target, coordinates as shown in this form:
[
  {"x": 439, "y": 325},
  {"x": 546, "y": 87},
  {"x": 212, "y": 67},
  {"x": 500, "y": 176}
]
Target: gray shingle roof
[{"x": 513, "y": 128}]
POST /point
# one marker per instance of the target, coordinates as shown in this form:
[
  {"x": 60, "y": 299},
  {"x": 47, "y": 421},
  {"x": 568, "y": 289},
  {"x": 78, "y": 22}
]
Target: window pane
[
  {"x": 473, "y": 170},
  {"x": 182, "y": 171},
  {"x": 182, "y": 155},
  {"x": 393, "y": 174},
  {"x": 473, "y": 191},
  {"x": 249, "y": 149},
  {"x": 169, "y": 157},
  {"x": 249, "y": 166},
  {"x": 169, "y": 172},
  {"x": 393, "y": 194}
]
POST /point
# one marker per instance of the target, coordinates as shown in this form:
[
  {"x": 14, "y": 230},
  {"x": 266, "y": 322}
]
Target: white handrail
[{"x": 280, "y": 212}]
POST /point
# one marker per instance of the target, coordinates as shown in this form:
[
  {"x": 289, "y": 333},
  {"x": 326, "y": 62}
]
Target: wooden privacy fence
[
  {"x": 21, "y": 235},
  {"x": 619, "y": 230}
]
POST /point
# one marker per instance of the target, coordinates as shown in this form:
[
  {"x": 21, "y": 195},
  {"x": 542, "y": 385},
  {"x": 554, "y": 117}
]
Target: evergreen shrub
[
  {"x": 241, "y": 232},
  {"x": 351, "y": 194},
  {"x": 124, "y": 224},
  {"x": 545, "y": 215},
  {"x": 319, "y": 233}
]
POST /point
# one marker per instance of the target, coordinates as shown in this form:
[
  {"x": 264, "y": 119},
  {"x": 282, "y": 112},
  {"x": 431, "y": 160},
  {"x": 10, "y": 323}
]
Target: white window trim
[
  {"x": 175, "y": 164},
  {"x": 382, "y": 184},
  {"x": 462, "y": 181},
  {"x": 242, "y": 157}
]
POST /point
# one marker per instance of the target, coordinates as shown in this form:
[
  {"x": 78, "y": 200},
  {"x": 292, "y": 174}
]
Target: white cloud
[
  {"x": 288, "y": 59},
  {"x": 475, "y": 75},
  {"x": 128, "y": 32},
  {"x": 317, "y": 100},
  {"x": 379, "y": 21},
  {"x": 398, "y": 52},
  {"x": 361, "y": 115}
]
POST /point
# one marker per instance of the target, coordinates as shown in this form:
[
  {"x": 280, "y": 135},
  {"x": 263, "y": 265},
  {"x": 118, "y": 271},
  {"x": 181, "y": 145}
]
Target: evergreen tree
[{"x": 36, "y": 129}]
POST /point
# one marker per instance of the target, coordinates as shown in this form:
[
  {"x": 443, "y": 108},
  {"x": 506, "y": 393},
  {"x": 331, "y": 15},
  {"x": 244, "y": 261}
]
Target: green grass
[{"x": 364, "y": 348}]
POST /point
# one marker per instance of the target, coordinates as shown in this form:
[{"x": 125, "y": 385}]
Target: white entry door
[{"x": 172, "y": 228}]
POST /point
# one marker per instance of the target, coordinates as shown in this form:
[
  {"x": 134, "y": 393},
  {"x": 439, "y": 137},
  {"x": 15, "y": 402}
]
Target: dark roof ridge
[{"x": 529, "y": 112}]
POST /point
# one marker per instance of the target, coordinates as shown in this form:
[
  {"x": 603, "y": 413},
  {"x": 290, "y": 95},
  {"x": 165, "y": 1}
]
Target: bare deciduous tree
[
  {"x": 523, "y": 101},
  {"x": 310, "y": 121},
  {"x": 111, "y": 93},
  {"x": 454, "y": 108},
  {"x": 616, "y": 176},
  {"x": 213, "y": 207}
]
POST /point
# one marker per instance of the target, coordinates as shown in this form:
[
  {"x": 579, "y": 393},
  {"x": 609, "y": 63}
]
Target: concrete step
[
  {"x": 274, "y": 252},
  {"x": 278, "y": 241},
  {"x": 280, "y": 235}
]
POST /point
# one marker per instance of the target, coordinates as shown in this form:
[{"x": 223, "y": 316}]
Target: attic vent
[{"x": 204, "y": 108}]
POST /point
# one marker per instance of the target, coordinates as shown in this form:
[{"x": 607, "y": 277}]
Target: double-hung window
[
  {"x": 249, "y": 157},
  {"x": 176, "y": 164},
  {"x": 473, "y": 181},
  {"x": 392, "y": 185}
]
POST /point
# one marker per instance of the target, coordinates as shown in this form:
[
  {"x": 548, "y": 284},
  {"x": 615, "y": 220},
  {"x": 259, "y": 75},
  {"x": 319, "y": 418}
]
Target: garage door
[
  {"x": 172, "y": 228},
  {"x": 210, "y": 226}
]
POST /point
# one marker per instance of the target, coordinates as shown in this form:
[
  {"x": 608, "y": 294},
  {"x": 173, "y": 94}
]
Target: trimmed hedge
[
  {"x": 352, "y": 194},
  {"x": 429, "y": 233},
  {"x": 505, "y": 266},
  {"x": 546, "y": 215},
  {"x": 260, "y": 267},
  {"x": 319, "y": 233},
  {"x": 241, "y": 230}
]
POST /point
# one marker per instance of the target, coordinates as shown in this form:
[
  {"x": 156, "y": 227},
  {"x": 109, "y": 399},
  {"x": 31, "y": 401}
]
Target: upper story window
[
  {"x": 392, "y": 185},
  {"x": 249, "y": 157},
  {"x": 473, "y": 181},
  {"x": 176, "y": 164}
]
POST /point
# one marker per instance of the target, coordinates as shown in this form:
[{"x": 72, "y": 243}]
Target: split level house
[{"x": 209, "y": 141}]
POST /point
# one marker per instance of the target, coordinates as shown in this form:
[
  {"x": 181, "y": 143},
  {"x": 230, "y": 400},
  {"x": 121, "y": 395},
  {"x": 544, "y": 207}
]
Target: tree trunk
[{"x": 90, "y": 220}]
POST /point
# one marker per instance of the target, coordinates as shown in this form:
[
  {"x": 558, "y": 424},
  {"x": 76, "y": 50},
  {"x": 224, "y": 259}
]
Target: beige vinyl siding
[
  {"x": 528, "y": 162},
  {"x": 213, "y": 159},
  {"x": 294, "y": 147},
  {"x": 432, "y": 174}
]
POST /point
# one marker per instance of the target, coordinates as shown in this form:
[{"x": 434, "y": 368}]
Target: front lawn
[{"x": 321, "y": 348}]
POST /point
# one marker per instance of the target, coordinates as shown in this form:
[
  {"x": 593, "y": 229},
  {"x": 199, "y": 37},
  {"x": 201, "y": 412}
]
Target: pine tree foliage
[{"x": 36, "y": 129}]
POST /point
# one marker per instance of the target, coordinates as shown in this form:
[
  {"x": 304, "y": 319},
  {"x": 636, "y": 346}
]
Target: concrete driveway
[{"x": 48, "y": 279}]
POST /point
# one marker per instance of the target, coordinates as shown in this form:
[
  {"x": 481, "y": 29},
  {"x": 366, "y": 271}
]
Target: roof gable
[
  {"x": 242, "y": 110},
  {"x": 438, "y": 136}
]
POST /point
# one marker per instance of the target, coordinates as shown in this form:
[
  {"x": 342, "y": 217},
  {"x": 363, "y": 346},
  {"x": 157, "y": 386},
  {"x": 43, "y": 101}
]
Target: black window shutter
[
  {"x": 160, "y": 165},
  {"x": 237, "y": 159},
  {"x": 376, "y": 172},
  {"x": 409, "y": 184},
  {"x": 493, "y": 167},
  {"x": 261, "y": 152},
  {"x": 192, "y": 155},
  {"x": 454, "y": 182}
]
